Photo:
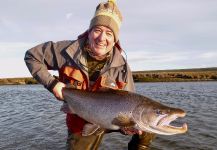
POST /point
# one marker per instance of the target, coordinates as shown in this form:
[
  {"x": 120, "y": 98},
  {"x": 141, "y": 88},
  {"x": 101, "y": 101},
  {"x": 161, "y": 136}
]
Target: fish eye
[{"x": 159, "y": 112}]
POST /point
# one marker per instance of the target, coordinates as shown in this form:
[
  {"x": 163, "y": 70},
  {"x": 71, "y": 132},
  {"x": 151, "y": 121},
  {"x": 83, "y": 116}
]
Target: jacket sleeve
[
  {"x": 129, "y": 81},
  {"x": 44, "y": 57}
]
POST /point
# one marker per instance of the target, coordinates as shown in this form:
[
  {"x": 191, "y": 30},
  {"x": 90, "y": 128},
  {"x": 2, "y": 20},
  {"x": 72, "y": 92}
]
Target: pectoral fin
[
  {"x": 123, "y": 121},
  {"x": 89, "y": 129},
  {"x": 68, "y": 109}
]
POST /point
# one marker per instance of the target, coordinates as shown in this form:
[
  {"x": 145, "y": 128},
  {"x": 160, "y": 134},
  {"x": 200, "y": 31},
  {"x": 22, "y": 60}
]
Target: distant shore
[
  {"x": 181, "y": 75},
  {"x": 18, "y": 81}
]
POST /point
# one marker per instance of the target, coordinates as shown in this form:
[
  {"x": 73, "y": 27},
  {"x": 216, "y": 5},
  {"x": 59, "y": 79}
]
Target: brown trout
[{"x": 117, "y": 109}]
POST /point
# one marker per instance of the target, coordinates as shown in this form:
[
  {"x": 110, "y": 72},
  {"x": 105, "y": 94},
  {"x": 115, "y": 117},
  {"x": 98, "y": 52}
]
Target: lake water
[{"x": 30, "y": 118}]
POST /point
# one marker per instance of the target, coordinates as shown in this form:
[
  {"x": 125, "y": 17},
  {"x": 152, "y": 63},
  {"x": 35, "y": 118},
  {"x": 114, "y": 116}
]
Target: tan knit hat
[{"x": 107, "y": 14}]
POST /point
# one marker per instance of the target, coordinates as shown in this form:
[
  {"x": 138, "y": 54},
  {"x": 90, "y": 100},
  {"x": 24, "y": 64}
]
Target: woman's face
[{"x": 101, "y": 40}]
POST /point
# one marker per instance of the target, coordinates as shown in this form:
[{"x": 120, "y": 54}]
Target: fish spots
[{"x": 123, "y": 120}]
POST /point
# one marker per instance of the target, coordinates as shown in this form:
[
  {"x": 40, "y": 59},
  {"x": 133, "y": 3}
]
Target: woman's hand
[{"x": 57, "y": 90}]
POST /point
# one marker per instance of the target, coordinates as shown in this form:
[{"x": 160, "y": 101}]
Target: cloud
[
  {"x": 68, "y": 16},
  {"x": 14, "y": 49},
  {"x": 12, "y": 59},
  {"x": 14, "y": 46},
  {"x": 209, "y": 55},
  {"x": 155, "y": 57},
  {"x": 13, "y": 67},
  {"x": 155, "y": 34},
  {"x": 140, "y": 60}
]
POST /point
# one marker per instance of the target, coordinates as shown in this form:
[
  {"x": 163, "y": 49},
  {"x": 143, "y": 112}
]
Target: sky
[{"x": 155, "y": 34}]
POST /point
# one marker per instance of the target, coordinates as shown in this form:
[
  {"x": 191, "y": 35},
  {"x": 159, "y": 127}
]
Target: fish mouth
[{"x": 164, "y": 125}]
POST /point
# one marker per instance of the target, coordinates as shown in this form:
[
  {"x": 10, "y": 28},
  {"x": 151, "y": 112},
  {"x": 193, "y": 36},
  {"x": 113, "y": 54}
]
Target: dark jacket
[{"x": 54, "y": 56}]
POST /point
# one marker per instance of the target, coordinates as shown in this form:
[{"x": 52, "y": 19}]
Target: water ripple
[{"x": 31, "y": 120}]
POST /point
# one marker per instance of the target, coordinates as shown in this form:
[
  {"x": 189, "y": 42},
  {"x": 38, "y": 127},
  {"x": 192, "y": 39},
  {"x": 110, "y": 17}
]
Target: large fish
[{"x": 116, "y": 109}]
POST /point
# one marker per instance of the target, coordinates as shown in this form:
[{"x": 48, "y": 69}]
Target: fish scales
[{"x": 103, "y": 106}]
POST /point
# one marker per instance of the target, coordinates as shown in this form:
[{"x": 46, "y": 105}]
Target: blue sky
[{"x": 156, "y": 34}]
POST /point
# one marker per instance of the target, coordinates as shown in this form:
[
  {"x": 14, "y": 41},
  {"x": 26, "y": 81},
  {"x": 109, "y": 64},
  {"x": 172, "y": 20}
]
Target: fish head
[{"x": 157, "y": 118}]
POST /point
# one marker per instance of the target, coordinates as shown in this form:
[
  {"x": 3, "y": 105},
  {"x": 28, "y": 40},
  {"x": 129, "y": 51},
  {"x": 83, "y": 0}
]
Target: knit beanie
[{"x": 107, "y": 14}]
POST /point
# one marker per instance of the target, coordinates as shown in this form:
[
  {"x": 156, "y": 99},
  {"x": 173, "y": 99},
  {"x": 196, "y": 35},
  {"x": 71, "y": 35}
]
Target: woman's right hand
[{"x": 57, "y": 90}]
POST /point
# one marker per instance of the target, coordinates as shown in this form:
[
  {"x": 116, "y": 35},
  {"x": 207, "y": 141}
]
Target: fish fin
[
  {"x": 89, "y": 129},
  {"x": 104, "y": 89},
  {"x": 70, "y": 109},
  {"x": 123, "y": 121}
]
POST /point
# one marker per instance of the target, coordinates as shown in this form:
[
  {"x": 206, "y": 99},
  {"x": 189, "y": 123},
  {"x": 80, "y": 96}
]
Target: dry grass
[
  {"x": 202, "y": 74},
  {"x": 11, "y": 81}
]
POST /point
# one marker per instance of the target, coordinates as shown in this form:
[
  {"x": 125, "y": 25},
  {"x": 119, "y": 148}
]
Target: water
[{"x": 30, "y": 118}]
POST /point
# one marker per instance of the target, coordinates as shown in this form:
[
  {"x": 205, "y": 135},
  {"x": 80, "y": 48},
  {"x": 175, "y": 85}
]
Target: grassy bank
[
  {"x": 182, "y": 75},
  {"x": 17, "y": 81}
]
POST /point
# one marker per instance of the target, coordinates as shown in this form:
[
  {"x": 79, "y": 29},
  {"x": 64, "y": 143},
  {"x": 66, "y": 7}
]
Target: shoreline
[
  {"x": 181, "y": 75},
  {"x": 149, "y": 81}
]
